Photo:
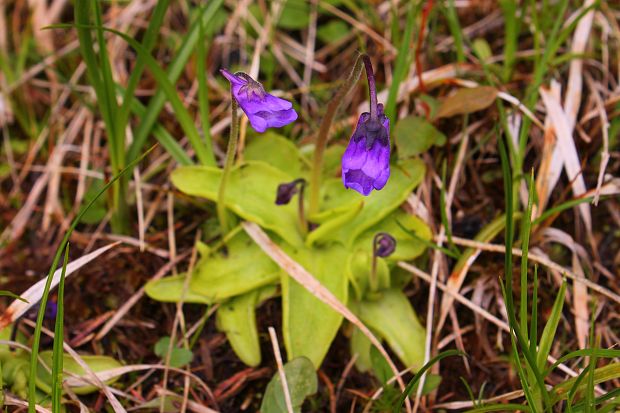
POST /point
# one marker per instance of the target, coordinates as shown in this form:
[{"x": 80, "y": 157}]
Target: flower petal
[
  {"x": 357, "y": 180},
  {"x": 234, "y": 80},
  {"x": 355, "y": 155}
]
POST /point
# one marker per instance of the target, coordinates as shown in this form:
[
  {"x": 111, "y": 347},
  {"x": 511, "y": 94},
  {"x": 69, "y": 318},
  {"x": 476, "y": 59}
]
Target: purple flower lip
[
  {"x": 366, "y": 161},
  {"x": 263, "y": 109}
]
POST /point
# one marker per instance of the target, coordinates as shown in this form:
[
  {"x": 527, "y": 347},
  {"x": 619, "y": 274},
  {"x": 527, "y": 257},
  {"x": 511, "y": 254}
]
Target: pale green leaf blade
[
  {"x": 245, "y": 268},
  {"x": 309, "y": 326},
  {"x": 170, "y": 290},
  {"x": 405, "y": 176},
  {"x": 393, "y": 318},
  {"x": 72, "y": 368},
  {"x": 237, "y": 318},
  {"x": 250, "y": 194}
]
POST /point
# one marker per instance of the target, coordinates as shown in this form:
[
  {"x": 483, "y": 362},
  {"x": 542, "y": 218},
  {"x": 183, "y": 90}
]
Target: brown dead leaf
[{"x": 467, "y": 101}]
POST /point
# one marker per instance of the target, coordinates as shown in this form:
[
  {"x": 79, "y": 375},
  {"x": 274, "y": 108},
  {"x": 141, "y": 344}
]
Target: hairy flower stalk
[
  {"x": 366, "y": 161},
  {"x": 228, "y": 163},
  {"x": 323, "y": 135},
  {"x": 263, "y": 111}
]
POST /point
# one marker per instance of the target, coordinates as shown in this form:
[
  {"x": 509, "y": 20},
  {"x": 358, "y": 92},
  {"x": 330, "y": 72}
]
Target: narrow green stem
[
  {"x": 323, "y": 135},
  {"x": 303, "y": 222},
  {"x": 228, "y": 164}
]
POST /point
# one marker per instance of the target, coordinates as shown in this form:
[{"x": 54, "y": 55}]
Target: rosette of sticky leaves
[{"x": 336, "y": 248}]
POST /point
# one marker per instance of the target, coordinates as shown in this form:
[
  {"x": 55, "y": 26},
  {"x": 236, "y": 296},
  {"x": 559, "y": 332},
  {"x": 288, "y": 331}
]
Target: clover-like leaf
[
  {"x": 179, "y": 356},
  {"x": 301, "y": 380}
]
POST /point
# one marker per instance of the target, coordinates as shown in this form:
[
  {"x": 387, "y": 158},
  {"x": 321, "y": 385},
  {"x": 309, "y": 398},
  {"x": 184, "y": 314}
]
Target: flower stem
[
  {"x": 323, "y": 135},
  {"x": 374, "y": 285},
  {"x": 228, "y": 164},
  {"x": 372, "y": 89},
  {"x": 303, "y": 222}
]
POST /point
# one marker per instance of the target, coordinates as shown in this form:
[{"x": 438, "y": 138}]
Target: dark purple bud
[
  {"x": 383, "y": 245},
  {"x": 263, "y": 109},
  {"x": 366, "y": 161},
  {"x": 286, "y": 192}
]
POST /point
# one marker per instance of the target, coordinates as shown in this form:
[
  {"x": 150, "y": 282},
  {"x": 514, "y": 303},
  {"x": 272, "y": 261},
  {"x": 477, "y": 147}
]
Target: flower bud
[{"x": 384, "y": 245}]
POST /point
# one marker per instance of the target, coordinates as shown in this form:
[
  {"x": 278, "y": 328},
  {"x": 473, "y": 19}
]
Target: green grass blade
[
  {"x": 203, "y": 98},
  {"x": 181, "y": 112},
  {"x": 443, "y": 212},
  {"x": 501, "y": 407},
  {"x": 512, "y": 320},
  {"x": 534, "y": 320},
  {"x": 174, "y": 71},
  {"x": 411, "y": 385},
  {"x": 526, "y": 223},
  {"x": 601, "y": 375},
  {"x": 57, "y": 357},
  {"x": 614, "y": 394},
  {"x": 525, "y": 385},
  {"x": 166, "y": 140},
  {"x": 403, "y": 59},
  {"x": 115, "y": 137},
  {"x": 562, "y": 207},
  {"x": 589, "y": 393},
  {"x": 600, "y": 353},
  {"x": 511, "y": 33},
  {"x": 148, "y": 42},
  {"x": 99, "y": 75},
  {"x": 455, "y": 28},
  {"x": 5, "y": 293},
  {"x": 36, "y": 337},
  {"x": 548, "y": 334}
]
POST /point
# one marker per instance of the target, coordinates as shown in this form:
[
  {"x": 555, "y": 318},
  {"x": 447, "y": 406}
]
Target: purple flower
[
  {"x": 366, "y": 161},
  {"x": 263, "y": 110}
]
